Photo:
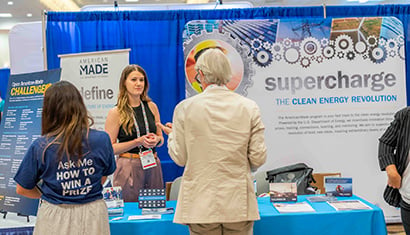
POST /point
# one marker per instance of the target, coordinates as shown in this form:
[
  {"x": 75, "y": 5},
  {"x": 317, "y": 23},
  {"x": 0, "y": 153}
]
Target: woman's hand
[
  {"x": 151, "y": 140},
  {"x": 139, "y": 141}
]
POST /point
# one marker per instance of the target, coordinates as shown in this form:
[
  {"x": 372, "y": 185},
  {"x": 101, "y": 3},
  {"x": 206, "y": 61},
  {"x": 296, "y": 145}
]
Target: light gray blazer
[{"x": 218, "y": 136}]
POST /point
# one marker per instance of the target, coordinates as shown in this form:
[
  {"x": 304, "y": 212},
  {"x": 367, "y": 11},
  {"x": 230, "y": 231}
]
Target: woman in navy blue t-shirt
[{"x": 72, "y": 161}]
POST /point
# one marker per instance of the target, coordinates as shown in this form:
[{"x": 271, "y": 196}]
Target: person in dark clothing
[{"x": 394, "y": 159}]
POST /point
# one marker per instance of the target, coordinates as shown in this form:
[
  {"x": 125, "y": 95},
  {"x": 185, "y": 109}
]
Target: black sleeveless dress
[{"x": 129, "y": 173}]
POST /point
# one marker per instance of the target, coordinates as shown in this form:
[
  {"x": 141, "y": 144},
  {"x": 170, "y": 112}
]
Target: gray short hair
[{"x": 215, "y": 66}]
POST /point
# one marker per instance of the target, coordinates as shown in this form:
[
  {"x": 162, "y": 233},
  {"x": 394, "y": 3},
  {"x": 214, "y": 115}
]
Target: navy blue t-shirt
[{"x": 68, "y": 182}]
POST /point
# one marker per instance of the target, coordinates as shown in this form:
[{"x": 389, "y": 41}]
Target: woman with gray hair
[{"x": 218, "y": 135}]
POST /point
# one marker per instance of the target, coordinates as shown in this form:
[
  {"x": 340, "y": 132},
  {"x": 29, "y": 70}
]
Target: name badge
[{"x": 147, "y": 159}]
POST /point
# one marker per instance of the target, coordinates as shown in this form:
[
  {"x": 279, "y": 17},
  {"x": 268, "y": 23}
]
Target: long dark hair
[{"x": 65, "y": 119}]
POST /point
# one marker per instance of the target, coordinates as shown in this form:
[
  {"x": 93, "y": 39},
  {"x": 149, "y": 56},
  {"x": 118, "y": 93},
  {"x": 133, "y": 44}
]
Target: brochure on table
[
  {"x": 283, "y": 192},
  {"x": 157, "y": 211},
  {"x": 321, "y": 198},
  {"x": 144, "y": 217},
  {"x": 338, "y": 186},
  {"x": 349, "y": 205},
  {"x": 113, "y": 198},
  {"x": 293, "y": 207}
]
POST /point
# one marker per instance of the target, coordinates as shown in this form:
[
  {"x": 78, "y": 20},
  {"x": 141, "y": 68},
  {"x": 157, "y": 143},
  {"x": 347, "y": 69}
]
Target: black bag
[{"x": 299, "y": 173}]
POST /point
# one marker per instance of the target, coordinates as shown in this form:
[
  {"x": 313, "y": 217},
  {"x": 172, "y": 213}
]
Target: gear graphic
[
  {"x": 344, "y": 43},
  {"x": 340, "y": 54},
  {"x": 372, "y": 41},
  {"x": 378, "y": 55},
  {"x": 350, "y": 55},
  {"x": 310, "y": 47},
  {"x": 262, "y": 58},
  {"x": 266, "y": 45},
  {"x": 331, "y": 43},
  {"x": 400, "y": 39},
  {"x": 276, "y": 48},
  {"x": 242, "y": 50},
  {"x": 319, "y": 59},
  {"x": 392, "y": 53},
  {"x": 328, "y": 52},
  {"x": 391, "y": 45},
  {"x": 305, "y": 62},
  {"x": 291, "y": 55},
  {"x": 401, "y": 52},
  {"x": 360, "y": 47},
  {"x": 382, "y": 41},
  {"x": 324, "y": 42},
  {"x": 287, "y": 43},
  {"x": 278, "y": 57},
  {"x": 256, "y": 44}
]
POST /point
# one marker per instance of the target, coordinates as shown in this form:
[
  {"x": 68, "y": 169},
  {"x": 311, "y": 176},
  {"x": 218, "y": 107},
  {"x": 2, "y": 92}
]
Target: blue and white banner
[
  {"x": 21, "y": 125},
  {"x": 96, "y": 75},
  {"x": 327, "y": 88}
]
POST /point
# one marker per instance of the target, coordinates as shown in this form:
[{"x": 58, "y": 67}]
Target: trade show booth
[{"x": 328, "y": 80}]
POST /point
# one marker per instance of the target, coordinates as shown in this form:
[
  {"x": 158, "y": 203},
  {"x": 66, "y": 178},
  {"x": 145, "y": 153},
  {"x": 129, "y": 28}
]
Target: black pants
[{"x": 405, "y": 216}]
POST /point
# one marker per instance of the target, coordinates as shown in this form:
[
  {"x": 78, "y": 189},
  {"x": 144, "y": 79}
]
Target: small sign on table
[{"x": 152, "y": 198}]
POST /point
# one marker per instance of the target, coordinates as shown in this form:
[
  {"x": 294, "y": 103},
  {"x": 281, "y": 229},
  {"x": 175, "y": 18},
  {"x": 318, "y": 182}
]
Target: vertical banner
[
  {"x": 96, "y": 75},
  {"x": 327, "y": 88},
  {"x": 21, "y": 125}
]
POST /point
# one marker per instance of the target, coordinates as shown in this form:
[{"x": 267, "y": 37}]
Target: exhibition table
[{"x": 325, "y": 220}]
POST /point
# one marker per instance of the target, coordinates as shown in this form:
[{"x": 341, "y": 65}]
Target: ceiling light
[
  {"x": 5, "y": 15},
  {"x": 61, "y": 5},
  {"x": 197, "y": 1},
  {"x": 29, "y": 15},
  {"x": 10, "y": 3}
]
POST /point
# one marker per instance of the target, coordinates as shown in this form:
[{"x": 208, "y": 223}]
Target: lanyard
[
  {"x": 147, "y": 158},
  {"x": 144, "y": 114}
]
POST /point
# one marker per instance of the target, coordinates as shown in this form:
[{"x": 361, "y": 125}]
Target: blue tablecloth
[
  {"x": 325, "y": 220},
  {"x": 146, "y": 227}
]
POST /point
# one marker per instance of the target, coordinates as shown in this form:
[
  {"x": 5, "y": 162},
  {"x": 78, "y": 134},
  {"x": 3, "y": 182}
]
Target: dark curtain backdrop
[{"x": 155, "y": 39}]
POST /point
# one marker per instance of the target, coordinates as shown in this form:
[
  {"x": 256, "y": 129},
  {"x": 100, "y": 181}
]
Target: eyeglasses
[{"x": 197, "y": 78}]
